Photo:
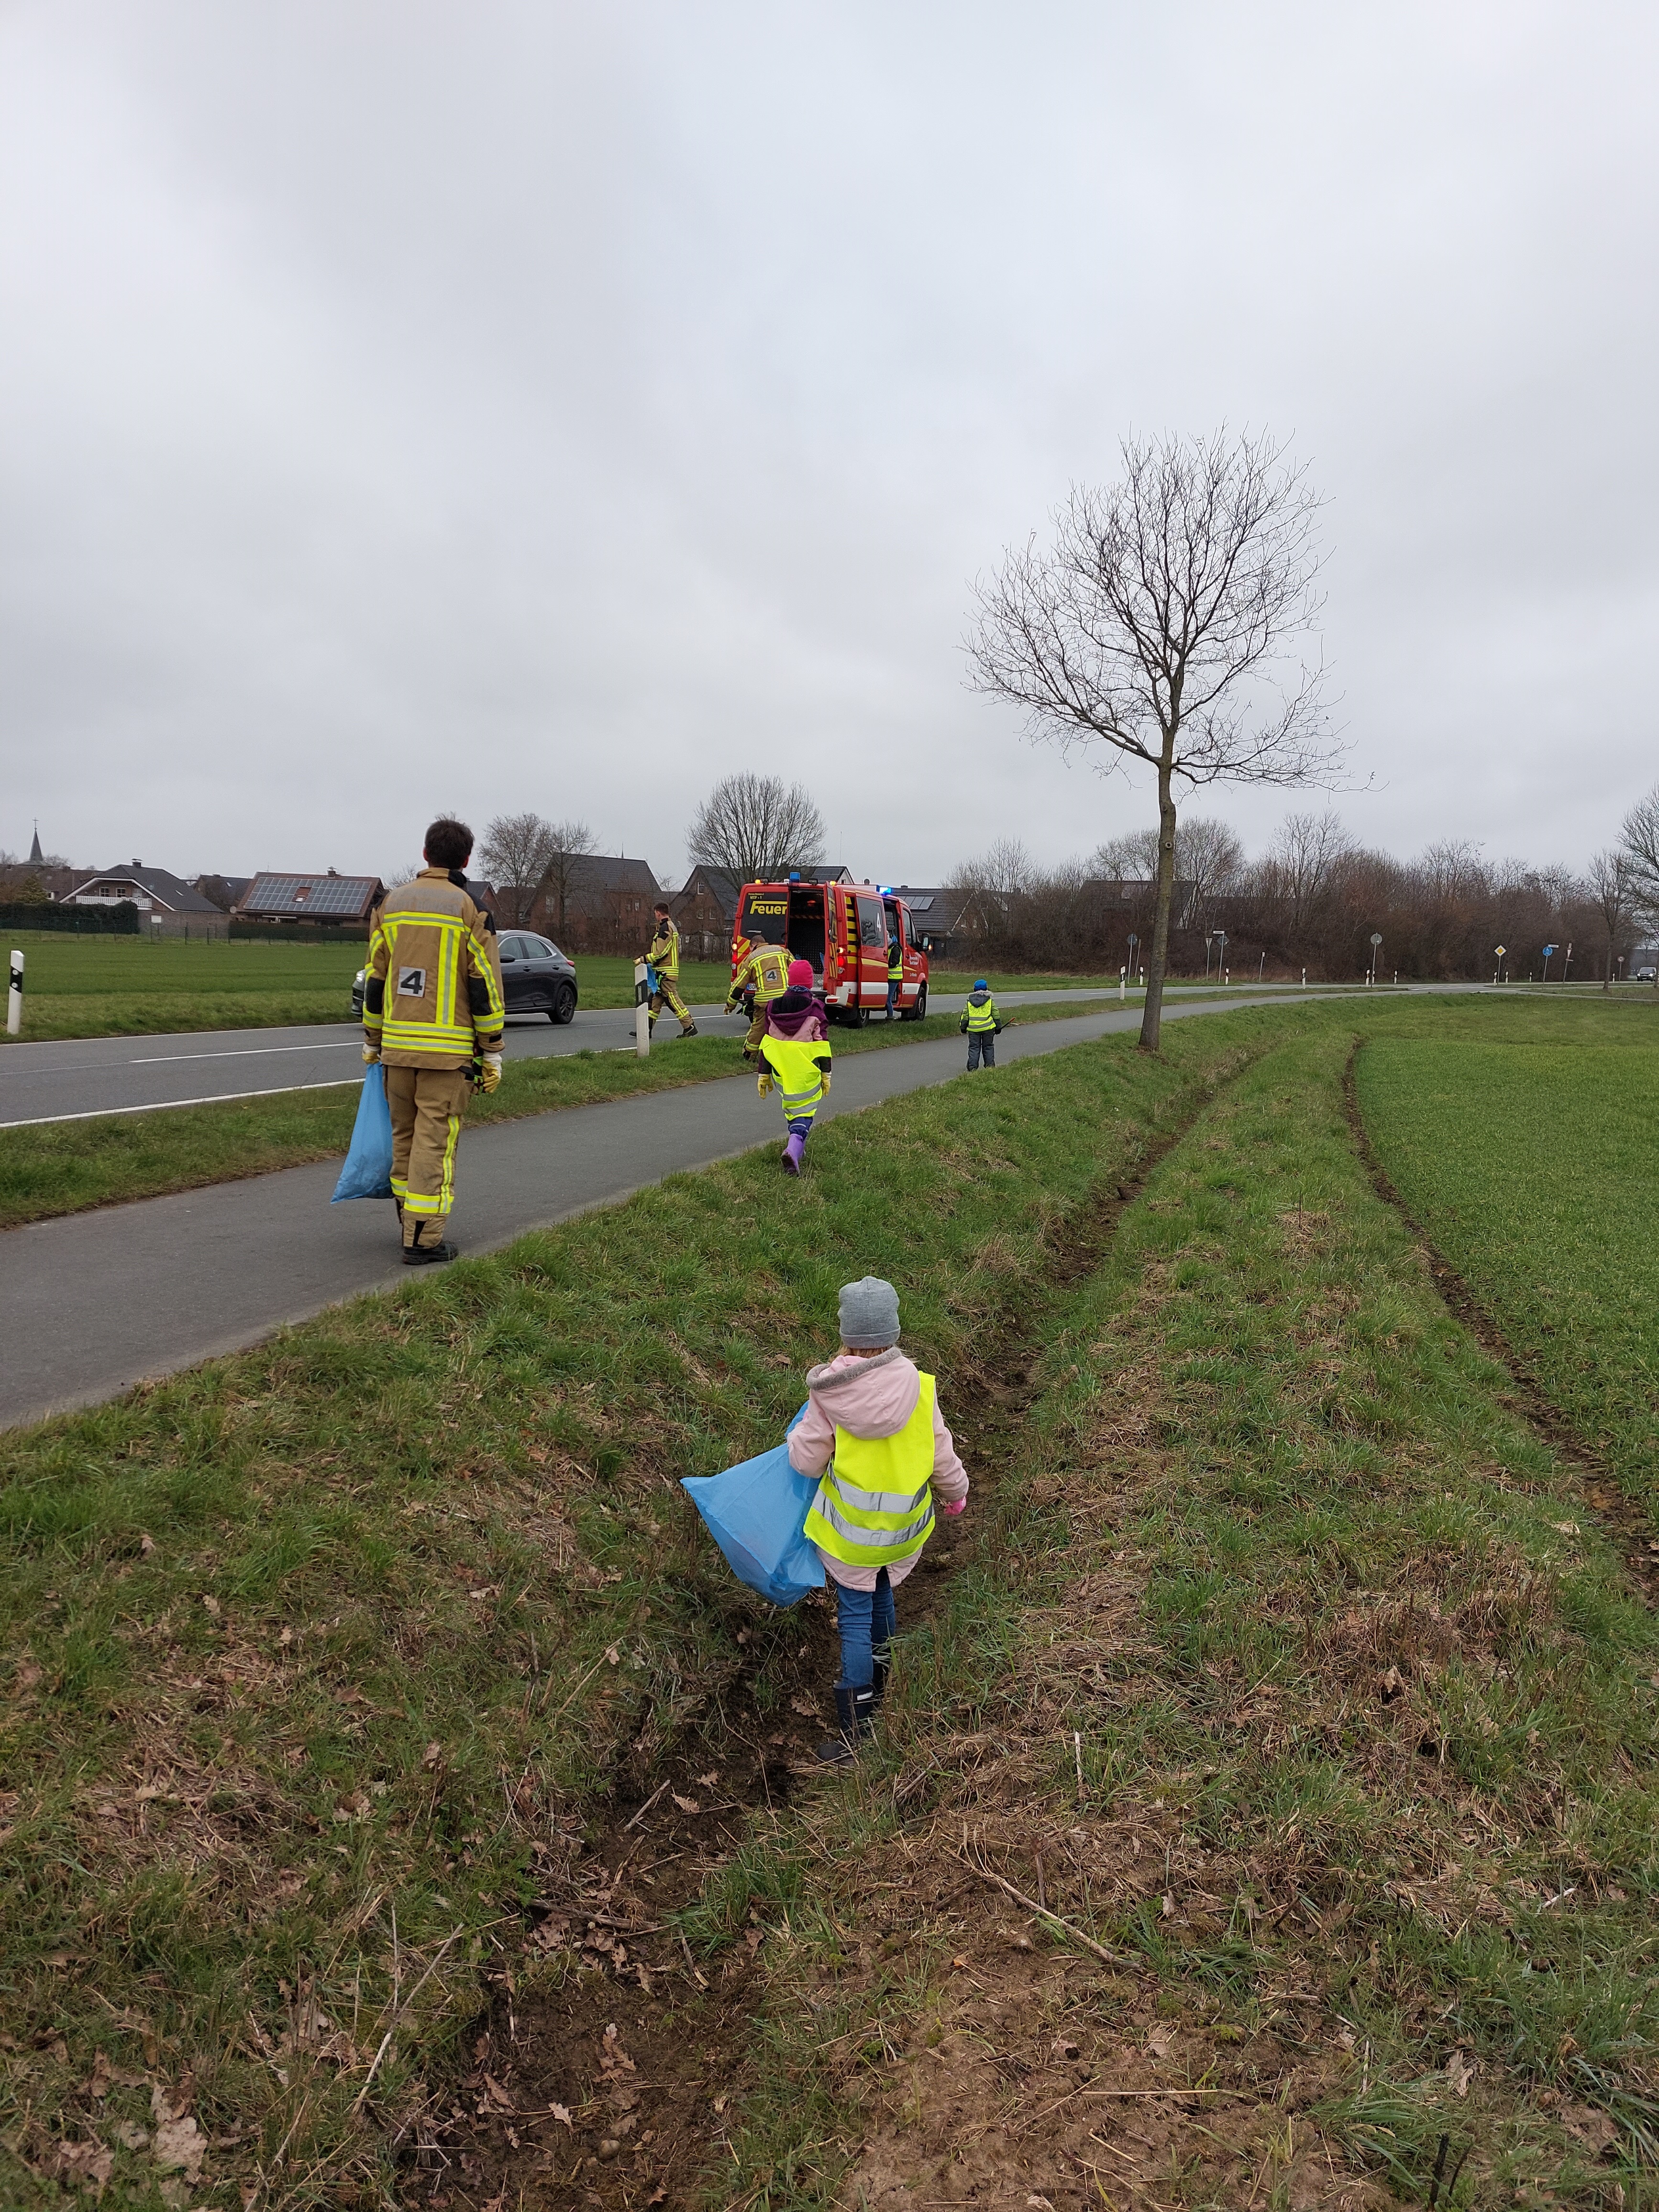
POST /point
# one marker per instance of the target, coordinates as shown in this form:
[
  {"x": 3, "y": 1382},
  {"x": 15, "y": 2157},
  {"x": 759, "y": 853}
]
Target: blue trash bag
[
  {"x": 756, "y": 1513},
  {"x": 367, "y": 1169}
]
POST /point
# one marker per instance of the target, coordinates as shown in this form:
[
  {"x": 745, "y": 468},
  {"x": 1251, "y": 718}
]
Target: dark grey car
[{"x": 535, "y": 978}]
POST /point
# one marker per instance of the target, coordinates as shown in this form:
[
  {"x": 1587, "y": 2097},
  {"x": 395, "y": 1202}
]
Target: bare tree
[
  {"x": 1209, "y": 862},
  {"x": 756, "y": 828},
  {"x": 514, "y": 852},
  {"x": 1611, "y": 886},
  {"x": 569, "y": 843},
  {"x": 1638, "y": 841},
  {"x": 1159, "y": 625},
  {"x": 1304, "y": 862}
]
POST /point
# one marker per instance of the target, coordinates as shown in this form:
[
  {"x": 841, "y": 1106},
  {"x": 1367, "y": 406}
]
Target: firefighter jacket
[
  {"x": 875, "y": 1503},
  {"x": 765, "y": 972},
  {"x": 665, "y": 953},
  {"x": 980, "y": 1014},
  {"x": 798, "y": 1069},
  {"x": 431, "y": 994}
]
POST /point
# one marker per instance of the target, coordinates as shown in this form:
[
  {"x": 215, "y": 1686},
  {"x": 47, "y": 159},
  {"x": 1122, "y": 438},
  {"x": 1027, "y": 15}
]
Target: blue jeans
[
  {"x": 866, "y": 1621},
  {"x": 892, "y": 992}
]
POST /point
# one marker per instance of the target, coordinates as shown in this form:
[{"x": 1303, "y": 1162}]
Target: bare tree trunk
[{"x": 1151, "y": 1017}]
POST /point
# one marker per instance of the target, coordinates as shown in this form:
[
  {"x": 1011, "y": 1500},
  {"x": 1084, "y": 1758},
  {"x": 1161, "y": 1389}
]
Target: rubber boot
[
  {"x": 793, "y": 1151},
  {"x": 855, "y": 1712}
]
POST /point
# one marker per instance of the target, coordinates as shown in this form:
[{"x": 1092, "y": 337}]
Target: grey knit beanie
[{"x": 869, "y": 1314}]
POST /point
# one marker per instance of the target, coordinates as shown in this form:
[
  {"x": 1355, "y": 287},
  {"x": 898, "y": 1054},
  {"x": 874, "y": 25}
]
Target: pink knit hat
[{"x": 800, "y": 975}]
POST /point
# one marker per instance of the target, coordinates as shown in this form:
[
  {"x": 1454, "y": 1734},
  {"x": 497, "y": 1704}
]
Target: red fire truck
[{"x": 842, "y": 929}]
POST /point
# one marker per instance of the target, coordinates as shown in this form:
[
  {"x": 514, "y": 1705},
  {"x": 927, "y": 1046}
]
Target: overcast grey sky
[{"x": 553, "y": 406}]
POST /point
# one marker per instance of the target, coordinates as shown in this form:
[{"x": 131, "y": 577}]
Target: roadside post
[
  {"x": 1304, "y": 979},
  {"x": 642, "y": 1009},
  {"x": 1567, "y": 965},
  {"x": 1222, "y": 968},
  {"x": 1548, "y": 949},
  {"x": 1133, "y": 941},
  {"x": 15, "y": 996},
  {"x": 1122, "y": 984},
  {"x": 1376, "y": 943},
  {"x": 1500, "y": 950}
]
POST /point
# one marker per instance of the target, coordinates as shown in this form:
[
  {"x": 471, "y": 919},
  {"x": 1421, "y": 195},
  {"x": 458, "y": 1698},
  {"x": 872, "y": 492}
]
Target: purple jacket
[{"x": 798, "y": 1014}]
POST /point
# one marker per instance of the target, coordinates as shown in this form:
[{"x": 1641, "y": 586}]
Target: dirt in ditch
[{"x": 618, "y": 2091}]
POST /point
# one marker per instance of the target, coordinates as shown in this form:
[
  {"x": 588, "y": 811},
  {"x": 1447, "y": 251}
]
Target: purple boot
[{"x": 793, "y": 1151}]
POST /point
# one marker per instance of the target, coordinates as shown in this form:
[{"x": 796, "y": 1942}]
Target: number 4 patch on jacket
[{"x": 411, "y": 982}]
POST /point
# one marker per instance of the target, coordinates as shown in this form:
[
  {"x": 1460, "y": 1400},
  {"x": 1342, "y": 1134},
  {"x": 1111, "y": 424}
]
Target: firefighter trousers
[
  {"x": 427, "y": 1104},
  {"x": 665, "y": 992}
]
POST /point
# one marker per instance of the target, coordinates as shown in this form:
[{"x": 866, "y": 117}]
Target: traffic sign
[
  {"x": 1548, "y": 950},
  {"x": 1377, "y": 937},
  {"x": 1500, "y": 950}
]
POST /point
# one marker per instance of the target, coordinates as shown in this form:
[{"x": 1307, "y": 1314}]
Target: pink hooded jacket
[{"x": 871, "y": 1394}]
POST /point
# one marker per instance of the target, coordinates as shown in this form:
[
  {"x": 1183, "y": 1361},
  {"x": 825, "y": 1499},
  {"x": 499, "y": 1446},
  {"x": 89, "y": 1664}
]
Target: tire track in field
[{"x": 1625, "y": 1522}]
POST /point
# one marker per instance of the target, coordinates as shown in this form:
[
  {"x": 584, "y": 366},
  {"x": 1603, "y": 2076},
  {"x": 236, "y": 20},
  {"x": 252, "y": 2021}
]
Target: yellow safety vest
[
  {"x": 981, "y": 1018},
  {"x": 895, "y": 961},
  {"x": 795, "y": 1064},
  {"x": 875, "y": 1503}
]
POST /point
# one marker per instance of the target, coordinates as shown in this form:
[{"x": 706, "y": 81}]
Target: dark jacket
[{"x": 798, "y": 1014}]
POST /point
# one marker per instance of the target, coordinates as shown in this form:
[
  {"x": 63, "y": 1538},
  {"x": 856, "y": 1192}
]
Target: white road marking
[
  {"x": 243, "y": 1052},
  {"x": 164, "y": 1105}
]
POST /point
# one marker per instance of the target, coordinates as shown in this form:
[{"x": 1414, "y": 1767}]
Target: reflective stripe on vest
[
  {"x": 983, "y": 1017},
  {"x": 875, "y": 1503},
  {"x": 800, "y": 1078},
  {"x": 771, "y": 971}
]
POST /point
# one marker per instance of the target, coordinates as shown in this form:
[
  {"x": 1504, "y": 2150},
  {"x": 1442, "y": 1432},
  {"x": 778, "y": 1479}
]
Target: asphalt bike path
[
  {"x": 83, "y": 1077},
  {"x": 93, "y": 1303}
]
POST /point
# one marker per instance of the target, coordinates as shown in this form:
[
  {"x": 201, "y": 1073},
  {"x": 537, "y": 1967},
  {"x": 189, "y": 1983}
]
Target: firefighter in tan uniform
[
  {"x": 664, "y": 957},
  {"x": 433, "y": 1016},
  {"x": 765, "y": 974}
]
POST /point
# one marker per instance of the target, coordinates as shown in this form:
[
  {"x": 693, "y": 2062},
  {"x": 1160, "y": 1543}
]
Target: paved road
[
  {"x": 96, "y": 1302},
  {"x": 86, "y": 1076}
]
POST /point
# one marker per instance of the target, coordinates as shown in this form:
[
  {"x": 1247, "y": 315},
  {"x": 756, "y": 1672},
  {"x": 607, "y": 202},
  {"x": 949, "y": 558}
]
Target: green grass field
[
  {"x": 1532, "y": 1167},
  {"x": 1277, "y": 1656},
  {"x": 132, "y": 986},
  {"x": 64, "y": 1167}
]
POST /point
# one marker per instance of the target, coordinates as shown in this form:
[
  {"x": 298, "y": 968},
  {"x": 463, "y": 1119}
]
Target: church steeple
[{"x": 36, "y": 858}]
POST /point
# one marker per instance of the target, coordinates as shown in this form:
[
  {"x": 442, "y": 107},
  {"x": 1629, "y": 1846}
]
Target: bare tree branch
[
  {"x": 1159, "y": 628},
  {"x": 756, "y": 828}
]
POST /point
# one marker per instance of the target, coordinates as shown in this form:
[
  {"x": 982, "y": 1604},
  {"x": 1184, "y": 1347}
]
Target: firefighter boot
[
  {"x": 855, "y": 1717},
  {"x": 689, "y": 1030},
  {"x": 432, "y": 1254}
]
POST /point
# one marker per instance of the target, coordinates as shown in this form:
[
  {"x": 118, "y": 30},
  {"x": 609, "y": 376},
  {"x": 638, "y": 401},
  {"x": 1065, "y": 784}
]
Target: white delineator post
[
  {"x": 15, "y": 996},
  {"x": 641, "y": 1011},
  {"x": 1122, "y": 980}
]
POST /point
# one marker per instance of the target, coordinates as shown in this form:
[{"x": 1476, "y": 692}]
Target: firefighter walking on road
[
  {"x": 980, "y": 1024},
  {"x": 665, "y": 959},
  {"x": 763, "y": 978},
  {"x": 434, "y": 1017}
]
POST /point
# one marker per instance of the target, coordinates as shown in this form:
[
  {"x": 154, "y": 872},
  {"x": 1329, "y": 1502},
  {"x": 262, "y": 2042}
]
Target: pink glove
[{"x": 955, "y": 1506}]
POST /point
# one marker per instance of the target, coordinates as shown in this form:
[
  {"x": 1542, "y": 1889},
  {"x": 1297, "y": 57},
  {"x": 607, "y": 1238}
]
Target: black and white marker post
[
  {"x": 642, "y": 1009},
  {"x": 15, "y": 996}
]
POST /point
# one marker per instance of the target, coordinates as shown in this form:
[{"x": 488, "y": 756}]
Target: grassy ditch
[
  {"x": 1285, "y": 1667},
  {"x": 1530, "y": 1164},
  {"x": 65, "y": 1167},
  {"x": 317, "y": 1660}
]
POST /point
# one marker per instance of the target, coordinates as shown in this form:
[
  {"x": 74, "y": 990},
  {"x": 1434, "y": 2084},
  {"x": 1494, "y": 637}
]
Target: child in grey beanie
[{"x": 873, "y": 1434}]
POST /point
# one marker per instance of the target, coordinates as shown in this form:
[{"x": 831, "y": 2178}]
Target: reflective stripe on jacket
[
  {"x": 982, "y": 1013},
  {"x": 665, "y": 953},
  {"x": 875, "y": 1502},
  {"x": 432, "y": 989},
  {"x": 765, "y": 972},
  {"x": 797, "y": 1067}
]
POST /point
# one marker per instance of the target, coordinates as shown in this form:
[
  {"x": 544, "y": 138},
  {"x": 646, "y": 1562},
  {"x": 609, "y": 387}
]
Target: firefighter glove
[
  {"x": 371, "y": 1055},
  {"x": 489, "y": 1076}
]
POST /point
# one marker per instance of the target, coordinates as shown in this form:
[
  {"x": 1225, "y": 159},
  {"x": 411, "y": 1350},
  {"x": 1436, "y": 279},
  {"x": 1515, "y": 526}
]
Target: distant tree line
[{"x": 1313, "y": 900}]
